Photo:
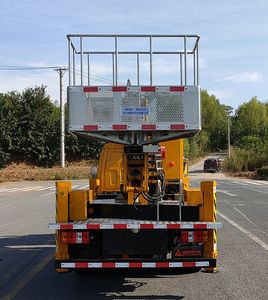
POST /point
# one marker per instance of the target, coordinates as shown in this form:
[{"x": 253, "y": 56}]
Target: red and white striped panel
[
  {"x": 144, "y": 89},
  {"x": 134, "y": 265},
  {"x": 136, "y": 225},
  {"x": 125, "y": 127}
]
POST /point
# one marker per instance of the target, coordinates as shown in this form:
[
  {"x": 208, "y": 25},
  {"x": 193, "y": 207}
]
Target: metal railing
[{"x": 80, "y": 55}]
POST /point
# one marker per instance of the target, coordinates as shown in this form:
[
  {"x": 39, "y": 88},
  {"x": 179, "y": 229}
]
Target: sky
[{"x": 233, "y": 45}]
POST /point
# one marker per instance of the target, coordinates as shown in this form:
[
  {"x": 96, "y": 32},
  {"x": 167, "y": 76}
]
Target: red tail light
[
  {"x": 71, "y": 237},
  {"x": 195, "y": 236},
  {"x": 85, "y": 237},
  {"x": 74, "y": 237}
]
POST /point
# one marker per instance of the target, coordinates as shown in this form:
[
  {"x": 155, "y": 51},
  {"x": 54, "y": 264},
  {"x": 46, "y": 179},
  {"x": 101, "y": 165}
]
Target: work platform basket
[{"x": 136, "y": 111}]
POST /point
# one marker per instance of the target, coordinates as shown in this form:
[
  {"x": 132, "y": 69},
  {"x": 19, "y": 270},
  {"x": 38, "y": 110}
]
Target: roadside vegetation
[
  {"x": 213, "y": 136},
  {"x": 30, "y": 130},
  {"x": 249, "y": 139}
]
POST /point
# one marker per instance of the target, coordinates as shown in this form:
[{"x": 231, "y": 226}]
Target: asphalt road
[{"x": 27, "y": 247}]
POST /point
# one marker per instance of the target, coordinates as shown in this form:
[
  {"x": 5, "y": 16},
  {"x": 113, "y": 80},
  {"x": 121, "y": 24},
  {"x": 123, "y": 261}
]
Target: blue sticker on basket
[{"x": 135, "y": 111}]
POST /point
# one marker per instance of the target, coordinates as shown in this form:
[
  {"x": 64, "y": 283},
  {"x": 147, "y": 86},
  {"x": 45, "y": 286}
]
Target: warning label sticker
[{"x": 135, "y": 111}]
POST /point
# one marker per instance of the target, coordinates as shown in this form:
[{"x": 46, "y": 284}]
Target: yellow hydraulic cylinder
[
  {"x": 62, "y": 193},
  {"x": 208, "y": 213}
]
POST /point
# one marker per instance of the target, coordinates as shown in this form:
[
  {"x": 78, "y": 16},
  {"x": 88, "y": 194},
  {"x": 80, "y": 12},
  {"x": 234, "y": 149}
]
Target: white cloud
[
  {"x": 220, "y": 94},
  {"x": 245, "y": 77}
]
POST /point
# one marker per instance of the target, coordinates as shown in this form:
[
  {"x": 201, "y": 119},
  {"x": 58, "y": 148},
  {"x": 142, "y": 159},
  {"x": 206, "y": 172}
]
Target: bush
[
  {"x": 4, "y": 157},
  {"x": 30, "y": 131},
  {"x": 243, "y": 160},
  {"x": 263, "y": 172}
]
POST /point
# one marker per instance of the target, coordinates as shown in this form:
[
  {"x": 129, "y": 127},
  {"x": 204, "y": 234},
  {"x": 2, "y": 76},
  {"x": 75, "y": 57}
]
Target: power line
[
  {"x": 31, "y": 68},
  {"x": 97, "y": 78},
  {"x": 25, "y": 68}
]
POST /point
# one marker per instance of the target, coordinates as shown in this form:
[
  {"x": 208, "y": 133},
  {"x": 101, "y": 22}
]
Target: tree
[
  {"x": 214, "y": 121},
  {"x": 38, "y": 123},
  {"x": 30, "y": 131},
  {"x": 8, "y": 126},
  {"x": 251, "y": 119}
]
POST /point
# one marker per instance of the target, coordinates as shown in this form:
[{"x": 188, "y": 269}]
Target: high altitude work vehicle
[{"x": 139, "y": 210}]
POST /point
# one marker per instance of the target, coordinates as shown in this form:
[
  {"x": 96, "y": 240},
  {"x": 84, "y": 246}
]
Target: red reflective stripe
[
  {"x": 119, "y": 127},
  {"x": 119, "y": 89},
  {"x": 177, "y": 126},
  {"x": 147, "y": 226},
  {"x": 188, "y": 264},
  {"x": 176, "y": 88},
  {"x": 66, "y": 226},
  {"x": 200, "y": 226},
  {"x": 135, "y": 264},
  {"x": 148, "y": 89},
  {"x": 162, "y": 265},
  {"x": 81, "y": 265},
  {"x": 108, "y": 265},
  {"x": 93, "y": 226},
  {"x": 90, "y": 89},
  {"x": 148, "y": 127},
  {"x": 173, "y": 226},
  {"x": 120, "y": 226},
  {"x": 91, "y": 127}
]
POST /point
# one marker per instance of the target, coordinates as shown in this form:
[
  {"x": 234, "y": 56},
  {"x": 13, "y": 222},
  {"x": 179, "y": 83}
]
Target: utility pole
[
  {"x": 229, "y": 139},
  {"x": 61, "y": 72}
]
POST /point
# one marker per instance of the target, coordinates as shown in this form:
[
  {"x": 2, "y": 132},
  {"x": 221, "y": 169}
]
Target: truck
[{"x": 139, "y": 210}]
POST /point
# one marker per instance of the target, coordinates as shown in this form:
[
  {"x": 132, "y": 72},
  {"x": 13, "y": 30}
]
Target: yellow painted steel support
[
  {"x": 173, "y": 164},
  {"x": 130, "y": 195},
  {"x": 208, "y": 214},
  {"x": 62, "y": 194},
  {"x": 78, "y": 205},
  {"x": 194, "y": 197},
  {"x": 111, "y": 168},
  {"x": 93, "y": 188}
]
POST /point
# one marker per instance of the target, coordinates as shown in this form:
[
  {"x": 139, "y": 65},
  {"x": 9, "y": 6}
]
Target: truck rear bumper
[{"x": 136, "y": 264}]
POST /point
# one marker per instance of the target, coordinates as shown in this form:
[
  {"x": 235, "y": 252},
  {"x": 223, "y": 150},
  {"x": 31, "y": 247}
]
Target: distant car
[{"x": 212, "y": 165}]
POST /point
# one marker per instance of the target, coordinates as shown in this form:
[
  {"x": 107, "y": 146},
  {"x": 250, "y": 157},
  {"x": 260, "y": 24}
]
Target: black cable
[{"x": 25, "y": 68}]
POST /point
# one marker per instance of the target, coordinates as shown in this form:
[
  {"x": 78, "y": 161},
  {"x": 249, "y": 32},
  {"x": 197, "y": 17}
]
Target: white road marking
[
  {"x": 239, "y": 182},
  {"x": 30, "y": 189},
  {"x": 8, "y": 190},
  {"x": 30, "y": 246},
  {"x": 12, "y": 190},
  {"x": 246, "y": 232},
  {"x": 48, "y": 194},
  {"x": 227, "y": 193},
  {"x": 251, "y": 182},
  {"x": 5, "y": 189},
  {"x": 84, "y": 186},
  {"x": 45, "y": 188},
  {"x": 6, "y": 206},
  {"x": 227, "y": 182},
  {"x": 258, "y": 191},
  {"x": 38, "y": 188},
  {"x": 243, "y": 215}
]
